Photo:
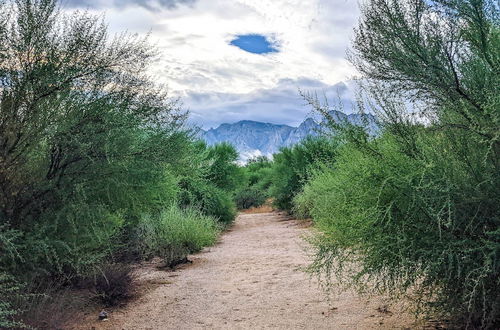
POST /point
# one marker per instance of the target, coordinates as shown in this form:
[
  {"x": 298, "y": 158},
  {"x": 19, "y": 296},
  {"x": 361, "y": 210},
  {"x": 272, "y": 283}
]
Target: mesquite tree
[
  {"x": 416, "y": 210},
  {"x": 85, "y": 135}
]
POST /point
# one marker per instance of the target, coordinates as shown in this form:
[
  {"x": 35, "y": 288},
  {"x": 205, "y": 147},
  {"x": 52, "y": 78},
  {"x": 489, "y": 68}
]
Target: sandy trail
[{"x": 250, "y": 280}]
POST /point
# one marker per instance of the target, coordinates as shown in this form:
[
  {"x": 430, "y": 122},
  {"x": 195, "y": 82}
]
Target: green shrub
[
  {"x": 209, "y": 199},
  {"x": 406, "y": 224},
  {"x": 258, "y": 173},
  {"x": 175, "y": 233},
  {"x": 255, "y": 188},
  {"x": 91, "y": 160},
  {"x": 292, "y": 166},
  {"x": 416, "y": 210},
  {"x": 304, "y": 201},
  {"x": 100, "y": 146},
  {"x": 250, "y": 197},
  {"x": 10, "y": 291},
  {"x": 221, "y": 169}
]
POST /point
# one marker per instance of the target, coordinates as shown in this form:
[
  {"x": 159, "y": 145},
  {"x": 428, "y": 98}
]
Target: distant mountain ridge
[{"x": 253, "y": 138}]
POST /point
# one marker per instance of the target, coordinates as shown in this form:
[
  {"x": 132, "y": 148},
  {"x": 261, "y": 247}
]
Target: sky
[{"x": 231, "y": 60}]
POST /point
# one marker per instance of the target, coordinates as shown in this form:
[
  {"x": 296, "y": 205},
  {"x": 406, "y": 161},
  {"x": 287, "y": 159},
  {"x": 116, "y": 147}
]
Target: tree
[
  {"x": 415, "y": 211},
  {"x": 222, "y": 168},
  {"x": 85, "y": 135},
  {"x": 443, "y": 53}
]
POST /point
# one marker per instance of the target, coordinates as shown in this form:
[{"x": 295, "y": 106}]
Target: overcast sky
[{"x": 221, "y": 82}]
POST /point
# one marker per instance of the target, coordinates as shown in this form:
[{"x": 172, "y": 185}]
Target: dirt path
[{"x": 250, "y": 280}]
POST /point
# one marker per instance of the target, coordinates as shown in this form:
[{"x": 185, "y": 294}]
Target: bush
[
  {"x": 91, "y": 159},
  {"x": 222, "y": 170},
  {"x": 113, "y": 283},
  {"x": 409, "y": 224},
  {"x": 175, "y": 233},
  {"x": 210, "y": 200},
  {"x": 292, "y": 166},
  {"x": 416, "y": 210},
  {"x": 10, "y": 292},
  {"x": 88, "y": 145},
  {"x": 49, "y": 305},
  {"x": 258, "y": 173},
  {"x": 250, "y": 197}
]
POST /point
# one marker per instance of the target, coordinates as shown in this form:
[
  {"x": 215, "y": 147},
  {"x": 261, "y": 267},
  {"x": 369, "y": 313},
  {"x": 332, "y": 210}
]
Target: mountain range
[{"x": 253, "y": 138}]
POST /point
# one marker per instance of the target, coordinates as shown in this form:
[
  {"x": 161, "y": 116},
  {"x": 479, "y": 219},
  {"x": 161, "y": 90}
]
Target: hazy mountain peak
[{"x": 254, "y": 138}]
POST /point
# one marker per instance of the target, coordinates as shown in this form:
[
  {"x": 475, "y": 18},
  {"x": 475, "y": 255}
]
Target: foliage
[
  {"x": 291, "y": 168},
  {"x": 210, "y": 182},
  {"x": 10, "y": 290},
  {"x": 410, "y": 224},
  {"x": 86, "y": 138},
  {"x": 258, "y": 173},
  {"x": 208, "y": 199},
  {"x": 113, "y": 283},
  {"x": 92, "y": 150},
  {"x": 175, "y": 233},
  {"x": 256, "y": 182},
  {"x": 416, "y": 210},
  {"x": 249, "y": 197},
  {"x": 222, "y": 170}
]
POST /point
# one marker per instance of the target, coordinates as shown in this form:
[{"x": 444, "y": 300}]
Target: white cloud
[
  {"x": 281, "y": 104},
  {"x": 219, "y": 82}
]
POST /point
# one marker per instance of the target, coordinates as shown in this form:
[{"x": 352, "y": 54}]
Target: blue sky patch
[{"x": 254, "y": 43}]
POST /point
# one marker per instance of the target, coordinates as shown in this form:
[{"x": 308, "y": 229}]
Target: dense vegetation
[
  {"x": 282, "y": 178},
  {"x": 98, "y": 170},
  {"x": 292, "y": 167},
  {"x": 253, "y": 191},
  {"x": 414, "y": 211},
  {"x": 97, "y": 167}
]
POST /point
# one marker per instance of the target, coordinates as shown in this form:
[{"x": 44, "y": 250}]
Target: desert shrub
[
  {"x": 255, "y": 181},
  {"x": 10, "y": 292},
  {"x": 221, "y": 169},
  {"x": 304, "y": 201},
  {"x": 113, "y": 284},
  {"x": 175, "y": 233},
  {"x": 88, "y": 145},
  {"x": 415, "y": 211},
  {"x": 410, "y": 224},
  {"x": 291, "y": 168},
  {"x": 93, "y": 150},
  {"x": 250, "y": 197},
  {"x": 263, "y": 179},
  {"x": 209, "y": 199},
  {"x": 33, "y": 305},
  {"x": 258, "y": 173},
  {"x": 207, "y": 183}
]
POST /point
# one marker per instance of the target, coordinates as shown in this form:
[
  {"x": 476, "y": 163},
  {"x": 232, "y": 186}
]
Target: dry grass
[
  {"x": 265, "y": 208},
  {"x": 54, "y": 308},
  {"x": 261, "y": 209}
]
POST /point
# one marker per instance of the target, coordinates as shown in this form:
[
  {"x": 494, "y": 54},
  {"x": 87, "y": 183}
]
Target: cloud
[
  {"x": 148, "y": 4},
  {"x": 282, "y": 104},
  {"x": 313, "y": 36},
  {"x": 221, "y": 82}
]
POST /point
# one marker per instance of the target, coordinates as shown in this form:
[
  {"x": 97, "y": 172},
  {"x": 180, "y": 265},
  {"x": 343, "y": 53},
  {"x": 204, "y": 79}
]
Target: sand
[{"x": 252, "y": 279}]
